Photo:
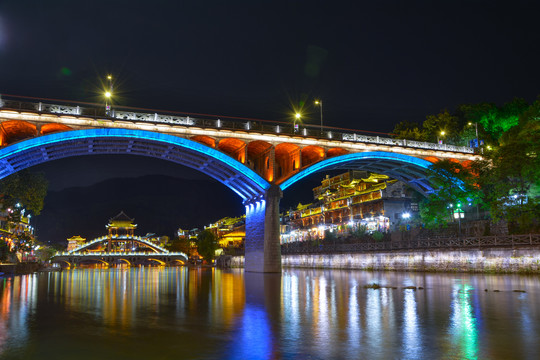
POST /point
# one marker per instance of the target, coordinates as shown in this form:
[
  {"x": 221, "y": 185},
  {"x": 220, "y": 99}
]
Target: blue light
[
  {"x": 376, "y": 155},
  {"x": 58, "y": 138}
]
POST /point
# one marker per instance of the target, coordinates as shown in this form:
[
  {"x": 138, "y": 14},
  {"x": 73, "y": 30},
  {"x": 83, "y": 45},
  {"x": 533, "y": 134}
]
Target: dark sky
[{"x": 374, "y": 63}]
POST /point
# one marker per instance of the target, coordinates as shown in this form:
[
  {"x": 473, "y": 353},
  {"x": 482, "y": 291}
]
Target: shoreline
[{"x": 525, "y": 260}]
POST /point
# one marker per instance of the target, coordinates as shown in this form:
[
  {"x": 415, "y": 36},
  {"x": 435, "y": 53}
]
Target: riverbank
[
  {"x": 19, "y": 268},
  {"x": 525, "y": 260}
]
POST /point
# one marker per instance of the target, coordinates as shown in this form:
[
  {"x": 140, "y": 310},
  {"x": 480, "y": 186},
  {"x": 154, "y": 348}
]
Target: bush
[
  {"x": 377, "y": 235},
  {"x": 360, "y": 231}
]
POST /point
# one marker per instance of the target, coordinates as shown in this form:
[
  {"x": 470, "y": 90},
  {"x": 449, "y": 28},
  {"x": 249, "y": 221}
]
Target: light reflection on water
[{"x": 183, "y": 313}]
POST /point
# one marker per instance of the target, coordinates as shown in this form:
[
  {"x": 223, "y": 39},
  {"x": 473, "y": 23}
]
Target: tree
[
  {"x": 25, "y": 187},
  {"x": 443, "y": 121},
  {"x": 455, "y": 186},
  {"x": 410, "y": 131},
  {"x": 207, "y": 245},
  {"x": 179, "y": 244},
  {"x": 492, "y": 120},
  {"x": 510, "y": 174},
  {"x": 45, "y": 253}
]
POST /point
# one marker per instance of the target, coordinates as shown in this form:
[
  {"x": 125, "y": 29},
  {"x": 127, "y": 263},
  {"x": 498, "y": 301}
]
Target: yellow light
[
  {"x": 470, "y": 123},
  {"x": 442, "y": 133},
  {"x": 316, "y": 102},
  {"x": 297, "y": 115},
  {"x": 108, "y": 94},
  {"x": 109, "y": 77}
]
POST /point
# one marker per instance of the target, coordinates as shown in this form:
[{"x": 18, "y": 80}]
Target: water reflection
[
  {"x": 213, "y": 314},
  {"x": 411, "y": 337},
  {"x": 463, "y": 323}
]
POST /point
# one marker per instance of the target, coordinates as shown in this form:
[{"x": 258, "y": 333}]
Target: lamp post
[
  {"x": 439, "y": 141},
  {"x": 477, "y": 140},
  {"x": 108, "y": 95},
  {"x": 319, "y": 102},
  {"x": 297, "y": 116},
  {"x": 459, "y": 214}
]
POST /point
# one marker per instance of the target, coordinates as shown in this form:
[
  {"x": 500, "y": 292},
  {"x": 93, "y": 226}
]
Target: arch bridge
[
  {"x": 95, "y": 251},
  {"x": 255, "y": 159}
]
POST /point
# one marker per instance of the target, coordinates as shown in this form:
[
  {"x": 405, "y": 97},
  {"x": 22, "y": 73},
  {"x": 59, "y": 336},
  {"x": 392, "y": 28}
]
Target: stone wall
[
  {"x": 19, "y": 268},
  {"x": 237, "y": 262},
  {"x": 523, "y": 260}
]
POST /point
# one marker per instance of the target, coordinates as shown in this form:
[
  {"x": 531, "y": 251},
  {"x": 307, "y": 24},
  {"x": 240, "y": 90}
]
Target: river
[{"x": 204, "y": 313}]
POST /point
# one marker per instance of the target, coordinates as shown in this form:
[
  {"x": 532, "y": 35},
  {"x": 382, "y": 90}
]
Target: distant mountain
[{"x": 160, "y": 204}]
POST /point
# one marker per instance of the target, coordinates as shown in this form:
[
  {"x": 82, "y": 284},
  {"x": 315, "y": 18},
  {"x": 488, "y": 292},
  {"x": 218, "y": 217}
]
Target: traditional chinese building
[
  {"x": 121, "y": 232},
  {"x": 74, "y": 242},
  {"x": 346, "y": 201},
  {"x": 231, "y": 232}
]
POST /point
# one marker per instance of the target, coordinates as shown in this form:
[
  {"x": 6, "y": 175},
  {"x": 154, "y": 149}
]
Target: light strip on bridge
[
  {"x": 343, "y": 159},
  {"x": 133, "y": 134}
]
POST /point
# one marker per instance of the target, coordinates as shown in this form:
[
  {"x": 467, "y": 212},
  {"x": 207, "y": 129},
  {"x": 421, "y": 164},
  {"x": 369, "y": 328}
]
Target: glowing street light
[
  {"x": 439, "y": 141},
  {"x": 297, "y": 117},
  {"x": 108, "y": 95},
  {"x": 477, "y": 140},
  {"x": 319, "y": 102}
]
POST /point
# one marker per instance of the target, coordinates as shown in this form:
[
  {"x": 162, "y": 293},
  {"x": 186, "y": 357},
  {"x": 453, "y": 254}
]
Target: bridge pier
[{"x": 262, "y": 247}]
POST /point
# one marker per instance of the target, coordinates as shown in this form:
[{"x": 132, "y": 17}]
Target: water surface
[{"x": 194, "y": 313}]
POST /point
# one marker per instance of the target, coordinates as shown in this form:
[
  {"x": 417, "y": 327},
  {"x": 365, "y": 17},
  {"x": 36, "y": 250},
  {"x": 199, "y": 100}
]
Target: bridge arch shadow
[
  {"x": 405, "y": 168},
  {"x": 238, "y": 177}
]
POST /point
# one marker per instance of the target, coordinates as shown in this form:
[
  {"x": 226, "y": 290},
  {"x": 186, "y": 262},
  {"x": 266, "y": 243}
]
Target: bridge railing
[
  {"x": 118, "y": 254},
  {"x": 135, "y": 115},
  {"x": 297, "y": 248},
  {"x": 105, "y": 238}
]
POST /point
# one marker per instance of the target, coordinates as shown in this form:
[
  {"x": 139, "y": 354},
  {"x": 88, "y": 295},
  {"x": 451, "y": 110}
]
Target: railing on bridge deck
[
  {"x": 95, "y": 111},
  {"x": 298, "y": 248},
  {"x": 119, "y": 254},
  {"x": 116, "y": 237}
]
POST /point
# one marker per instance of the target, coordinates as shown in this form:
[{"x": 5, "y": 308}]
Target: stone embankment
[
  {"x": 20, "y": 268},
  {"x": 525, "y": 260}
]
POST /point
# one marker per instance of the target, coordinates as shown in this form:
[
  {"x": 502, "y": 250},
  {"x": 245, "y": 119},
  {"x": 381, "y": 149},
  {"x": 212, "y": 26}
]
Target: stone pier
[{"x": 263, "y": 252}]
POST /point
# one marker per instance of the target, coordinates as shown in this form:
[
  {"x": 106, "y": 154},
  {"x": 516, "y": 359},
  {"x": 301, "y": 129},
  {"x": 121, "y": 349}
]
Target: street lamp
[
  {"x": 297, "y": 116},
  {"x": 459, "y": 214},
  {"x": 319, "y": 102},
  {"x": 108, "y": 95},
  {"x": 477, "y": 140},
  {"x": 439, "y": 141}
]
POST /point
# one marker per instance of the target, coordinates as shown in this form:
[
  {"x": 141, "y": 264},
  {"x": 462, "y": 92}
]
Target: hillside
[{"x": 160, "y": 204}]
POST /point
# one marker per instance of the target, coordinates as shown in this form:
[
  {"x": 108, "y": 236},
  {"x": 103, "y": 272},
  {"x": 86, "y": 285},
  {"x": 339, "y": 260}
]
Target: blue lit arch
[
  {"x": 405, "y": 168},
  {"x": 238, "y": 177}
]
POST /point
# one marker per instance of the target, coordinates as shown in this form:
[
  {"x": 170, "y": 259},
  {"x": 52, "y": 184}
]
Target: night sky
[{"x": 372, "y": 63}]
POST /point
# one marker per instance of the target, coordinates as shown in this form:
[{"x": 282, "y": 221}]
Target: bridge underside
[
  {"x": 226, "y": 170},
  {"x": 405, "y": 168}
]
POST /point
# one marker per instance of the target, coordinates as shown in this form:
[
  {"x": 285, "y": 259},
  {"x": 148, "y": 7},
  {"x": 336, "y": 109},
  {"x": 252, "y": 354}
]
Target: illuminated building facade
[
  {"x": 231, "y": 232},
  {"x": 74, "y": 242},
  {"x": 121, "y": 227},
  {"x": 346, "y": 201}
]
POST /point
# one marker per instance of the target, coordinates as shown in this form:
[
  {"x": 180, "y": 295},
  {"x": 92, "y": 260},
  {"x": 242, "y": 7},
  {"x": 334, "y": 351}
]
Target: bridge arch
[
  {"x": 406, "y": 168},
  {"x": 126, "y": 261},
  {"x": 238, "y": 177},
  {"x": 160, "y": 262}
]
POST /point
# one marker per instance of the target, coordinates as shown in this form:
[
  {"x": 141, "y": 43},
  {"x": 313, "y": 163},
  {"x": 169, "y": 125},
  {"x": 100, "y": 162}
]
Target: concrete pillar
[{"x": 262, "y": 248}]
